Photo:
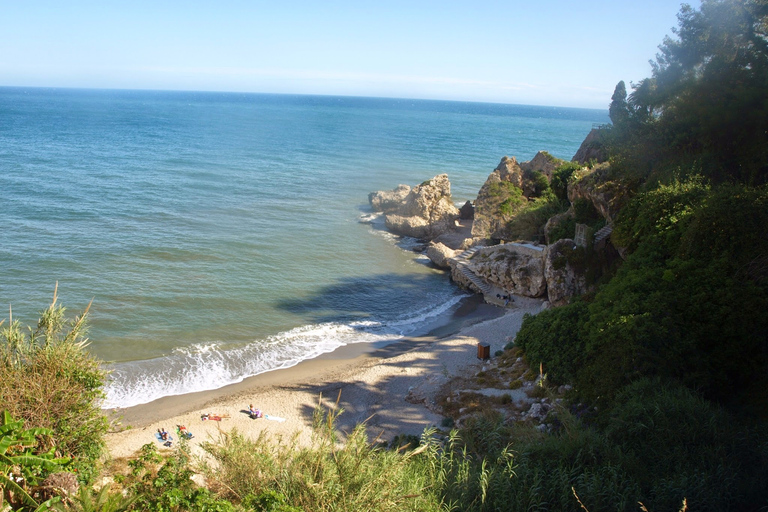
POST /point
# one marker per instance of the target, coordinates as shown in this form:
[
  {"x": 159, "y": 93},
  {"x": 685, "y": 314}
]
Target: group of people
[
  {"x": 165, "y": 438},
  {"x": 506, "y": 298}
]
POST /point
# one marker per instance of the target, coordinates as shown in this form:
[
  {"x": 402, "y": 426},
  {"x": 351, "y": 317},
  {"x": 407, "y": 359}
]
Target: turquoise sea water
[{"x": 218, "y": 234}]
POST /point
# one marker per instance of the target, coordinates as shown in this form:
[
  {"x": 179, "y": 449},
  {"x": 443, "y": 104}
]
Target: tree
[{"x": 619, "y": 110}]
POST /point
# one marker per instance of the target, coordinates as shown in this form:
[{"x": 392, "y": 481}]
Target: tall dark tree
[{"x": 619, "y": 111}]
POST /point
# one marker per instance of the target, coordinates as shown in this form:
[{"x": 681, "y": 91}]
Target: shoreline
[
  {"x": 390, "y": 386},
  {"x": 472, "y": 309}
]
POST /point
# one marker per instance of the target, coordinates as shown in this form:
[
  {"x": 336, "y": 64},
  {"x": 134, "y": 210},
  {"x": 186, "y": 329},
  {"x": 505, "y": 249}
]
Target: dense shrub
[
  {"x": 677, "y": 444},
  {"x": 529, "y": 221},
  {"x": 554, "y": 339},
  {"x": 49, "y": 380},
  {"x": 560, "y": 179}
]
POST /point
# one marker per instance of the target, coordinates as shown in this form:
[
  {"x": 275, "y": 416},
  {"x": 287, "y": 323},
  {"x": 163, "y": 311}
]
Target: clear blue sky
[{"x": 546, "y": 52}]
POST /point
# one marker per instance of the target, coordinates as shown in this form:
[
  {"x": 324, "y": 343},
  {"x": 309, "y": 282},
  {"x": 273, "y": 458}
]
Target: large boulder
[
  {"x": 516, "y": 268},
  {"x": 426, "y": 212},
  {"x": 388, "y": 200},
  {"x": 564, "y": 271},
  {"x": 439, "y": 254}
]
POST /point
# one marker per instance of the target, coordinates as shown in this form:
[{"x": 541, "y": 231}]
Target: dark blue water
[{"x": 220, "y": 231}]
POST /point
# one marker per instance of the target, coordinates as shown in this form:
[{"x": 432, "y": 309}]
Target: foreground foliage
[{"x": 49, "y": 380}]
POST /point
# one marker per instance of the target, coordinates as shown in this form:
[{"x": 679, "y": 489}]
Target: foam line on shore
[{"x": 209, "y": 366}]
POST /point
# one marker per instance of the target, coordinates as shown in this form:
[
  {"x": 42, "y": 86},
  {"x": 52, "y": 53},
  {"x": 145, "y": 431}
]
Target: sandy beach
[{"x": 390, "y": 387}]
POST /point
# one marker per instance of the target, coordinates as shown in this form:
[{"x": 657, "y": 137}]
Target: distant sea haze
[{"x": 218, "y": 233}]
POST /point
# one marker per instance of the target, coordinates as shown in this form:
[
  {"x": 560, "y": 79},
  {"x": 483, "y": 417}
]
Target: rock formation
[
  {"x": 592, "y": 148},
  {"x": 498, "y": 199},
  {"x": 516, "y": 268},
  {"x": 388, "y": 200},
  {"x": 426, "y": 211},
  {"x": 597, "y": 186},
  {"x": 544, "y": 163},
  {"x": 507, "y": 190},
  {"x": 564, "y": 277}
]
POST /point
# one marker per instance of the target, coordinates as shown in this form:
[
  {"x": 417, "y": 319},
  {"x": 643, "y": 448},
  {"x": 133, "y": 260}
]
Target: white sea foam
[{"x": 208, "y": 366}]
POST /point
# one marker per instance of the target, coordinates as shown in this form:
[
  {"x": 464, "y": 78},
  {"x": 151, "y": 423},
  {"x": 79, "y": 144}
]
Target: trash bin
[{"x": 483, "y": 350}]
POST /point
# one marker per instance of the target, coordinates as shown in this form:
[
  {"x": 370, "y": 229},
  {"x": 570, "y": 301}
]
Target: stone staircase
[
  {"x": 462, "y": 266},
  {"x": 603, "y": 233}
]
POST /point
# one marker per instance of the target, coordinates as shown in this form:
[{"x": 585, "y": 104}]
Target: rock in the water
[
  {"x": 388, "y": 200},
  {"x": 439, "y": 254},
  {"x": 426, "y": 212}
]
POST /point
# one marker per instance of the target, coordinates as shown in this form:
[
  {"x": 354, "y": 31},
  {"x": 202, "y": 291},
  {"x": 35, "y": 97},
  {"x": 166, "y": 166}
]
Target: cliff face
[
  {"x": 597, "y": 186},
  {"x": 592, "y": 148},
  {"x": 425, "y": 211},
  {"x": 565, "y": 277}
]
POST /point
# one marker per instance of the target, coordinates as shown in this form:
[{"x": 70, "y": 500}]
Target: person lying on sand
[
  {"x": 255, "y": 413},
  {"x": 214, "y": 417},
  {"x": 183, "y": 432},
  {"x": 163, "y": 434}
]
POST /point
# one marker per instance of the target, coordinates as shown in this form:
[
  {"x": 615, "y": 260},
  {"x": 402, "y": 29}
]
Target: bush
[
  {"x": 560, "y": 179},
  {"x": 49, "y": 379},
  {"x": 554, "y": 338},
  {"x": 678, "y": 445},
  {"x": 529, "y": 222}
]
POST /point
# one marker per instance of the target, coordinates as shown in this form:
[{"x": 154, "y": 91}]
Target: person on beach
[
  {"x": 163, "y": 434},
  {"x": 183, "y": 432},
  {"x": 255, "y": 413}
]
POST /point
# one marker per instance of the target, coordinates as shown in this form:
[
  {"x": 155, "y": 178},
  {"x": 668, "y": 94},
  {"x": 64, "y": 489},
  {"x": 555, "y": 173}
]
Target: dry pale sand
[{"x": 390, "y": 388}]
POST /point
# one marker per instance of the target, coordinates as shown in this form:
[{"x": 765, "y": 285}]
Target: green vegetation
[
  {"x": 23, "y": 459},
  {"x": 668, "y": 358},
  {"x": 50, "y": 381}
]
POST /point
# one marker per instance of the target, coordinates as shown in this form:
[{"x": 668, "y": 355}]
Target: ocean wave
[{"x": 208, "y": 366}]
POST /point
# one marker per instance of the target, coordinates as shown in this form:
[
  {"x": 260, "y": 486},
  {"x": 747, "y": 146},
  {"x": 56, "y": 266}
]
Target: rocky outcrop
[
  {"x": 544, "y": 163},
  {"x": 388, "y": 200},
  {"x": 516, "y": 268},
  {"x": 593, "y": 148},
  {"x": 598, "y": 186},
  {"x": 439, "y": 254},
  {"x": 507, "y": 191},
  {"x": 498, "y": 199},
  {"x": 426, "y": 211},
  {"x": 563, "y": 272},
  {"x": 555, "y": 272}
]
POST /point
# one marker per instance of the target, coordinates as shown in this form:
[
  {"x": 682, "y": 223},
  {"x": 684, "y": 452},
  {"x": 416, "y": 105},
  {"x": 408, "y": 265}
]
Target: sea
[{"x": 219, "y": 235}]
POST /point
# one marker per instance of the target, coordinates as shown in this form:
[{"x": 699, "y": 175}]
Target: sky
[{"x": 548, "y": 52}]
